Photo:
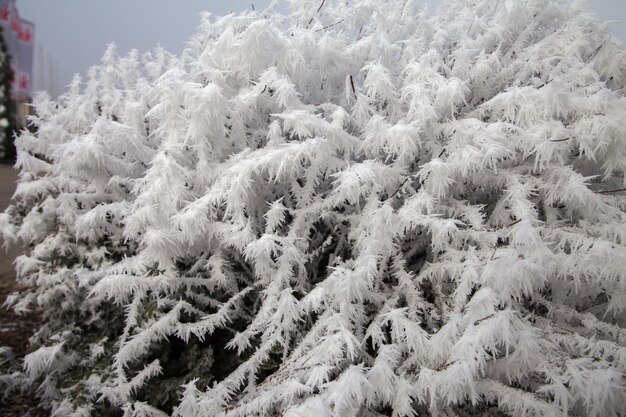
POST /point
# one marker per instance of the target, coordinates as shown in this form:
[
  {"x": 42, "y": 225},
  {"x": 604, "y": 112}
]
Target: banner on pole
[
  {"x": 25, "y": 56},
  {"x": 19, "y": 38}
]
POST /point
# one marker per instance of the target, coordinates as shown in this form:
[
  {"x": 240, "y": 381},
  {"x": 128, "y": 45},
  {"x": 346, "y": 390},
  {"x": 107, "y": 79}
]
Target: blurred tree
[{"x": 7, "y": 106}]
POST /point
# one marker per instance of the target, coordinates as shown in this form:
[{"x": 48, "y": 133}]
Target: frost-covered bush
[{"x": 353, "y": 210}]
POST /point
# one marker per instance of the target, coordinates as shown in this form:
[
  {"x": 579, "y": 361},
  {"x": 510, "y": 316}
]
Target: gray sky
[{"x": 76, "y": 32}]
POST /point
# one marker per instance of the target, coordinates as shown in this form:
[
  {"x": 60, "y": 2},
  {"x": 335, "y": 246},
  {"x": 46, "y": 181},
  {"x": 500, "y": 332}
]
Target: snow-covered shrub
[{"x": 356, "y": 209}]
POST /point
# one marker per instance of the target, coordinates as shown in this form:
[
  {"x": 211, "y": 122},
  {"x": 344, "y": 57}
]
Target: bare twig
[
  {"x": 515, "y": 222},
  {"x": 593, "y": 55},
  {"x": 477, "y": 322},
  {"x": 618, "y": 190},
  {"x": 561, "y": 140},
  {"x": 330, "y": 26},
  {"x": 316, "y": 12},
  {"x": 321, "y": 5},
  {"x": 544, "y": 84},
  {"x": 352, "y": 85},
  {"x": 444, "y": 366},
  {"x": 396, "y": 192}
]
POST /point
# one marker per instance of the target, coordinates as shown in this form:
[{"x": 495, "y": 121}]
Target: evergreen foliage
[{"x": 352, "y": 210}]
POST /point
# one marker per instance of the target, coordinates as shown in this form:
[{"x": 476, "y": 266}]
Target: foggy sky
[{"x": 76, "y": 32}]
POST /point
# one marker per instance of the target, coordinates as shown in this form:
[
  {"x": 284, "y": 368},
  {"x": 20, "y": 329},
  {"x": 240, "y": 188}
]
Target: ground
[{"x": 14, "y": 330}]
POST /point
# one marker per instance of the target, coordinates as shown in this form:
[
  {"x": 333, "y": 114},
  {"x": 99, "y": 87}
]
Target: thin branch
[
  {"x": 352, "y": 85},
  {"x": 396, "y": 192},
  {"x": 329, "y": 26},
  {"x": 320, "y": 8},
  {"x": 515, "y": 222},
  {"x": 316, "y": 12},
  {"x": 544, "y": 84},
  {"x": 427, "y": 175},
  {"x": 593, "y": 55},
  {"x": 444, "y": 366},
  {"x": 618, "y": 190},
  {"x": 588, "y": 60},
  {"x": 477, "y": 322},
  {"x": 561, "y": 140},
  {"x": 358, "y": 36}
]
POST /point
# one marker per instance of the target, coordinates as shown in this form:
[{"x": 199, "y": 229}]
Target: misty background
[{"x": 71, "y": 35}]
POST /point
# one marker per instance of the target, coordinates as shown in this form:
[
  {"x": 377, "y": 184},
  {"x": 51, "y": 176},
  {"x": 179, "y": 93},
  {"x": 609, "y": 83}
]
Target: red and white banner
[
  {"x": 23, "y": 80},
  {"x": 7, "y": 10},
  {"x": 19, "y": 35},
  {"x": 26, "y": 32},
  {"x": 25, "y": 56}
]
